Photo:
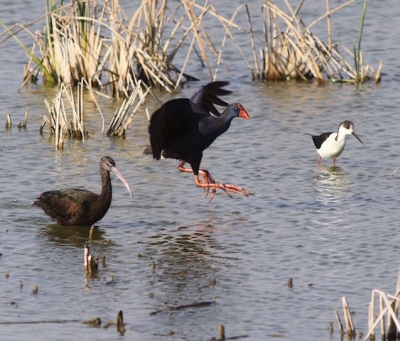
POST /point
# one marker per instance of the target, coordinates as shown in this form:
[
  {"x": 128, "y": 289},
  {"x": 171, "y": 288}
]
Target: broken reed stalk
[
  {"x": 90, "y": 262},
  {"x": 358, "y": 60},
  {"x": 339, "y": 321},
  {"x": 348, "y": 319},
  {"x": 329, "y": 24},
  {"x": 392, "y": 329},
  {"x": 66, "y": 113},
  {"x": 351, "y": 332},
  {"x": 257, "y": 74},
  {"x": 25, "y": 123},
  {"x": 120, "y": 323},
  {"x": 123, "y": 117},
  {"x": 8, "y": 122}
]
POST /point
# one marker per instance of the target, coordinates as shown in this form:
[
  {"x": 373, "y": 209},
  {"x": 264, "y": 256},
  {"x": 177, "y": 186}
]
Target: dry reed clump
[
  {"x": 66, "y": 115},
  {"x": 382, "y": 316},
  {"x": 293, "y": 52},
  {"x": 124, "y": 116},
  {"x": 97, "y": 41}
]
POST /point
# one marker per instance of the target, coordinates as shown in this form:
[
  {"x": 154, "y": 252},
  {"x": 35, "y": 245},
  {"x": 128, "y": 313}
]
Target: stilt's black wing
[{"x": 319, "y": 140}]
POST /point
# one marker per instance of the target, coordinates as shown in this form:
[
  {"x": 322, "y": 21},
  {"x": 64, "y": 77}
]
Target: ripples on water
[{"x": 333, "y": 230}]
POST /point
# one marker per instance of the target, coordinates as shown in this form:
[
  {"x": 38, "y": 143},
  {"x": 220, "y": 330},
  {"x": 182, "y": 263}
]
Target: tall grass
[
  {"x": 97, "y": 41},
  {"x": 293, "y": 51}
]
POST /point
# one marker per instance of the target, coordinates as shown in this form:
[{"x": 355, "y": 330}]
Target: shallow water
[{"x": 333, "y": 230}]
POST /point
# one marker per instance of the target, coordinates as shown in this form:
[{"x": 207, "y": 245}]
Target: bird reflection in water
[
  {"x": 332, "y": 184},
  {"x": 73, "y": 235}
]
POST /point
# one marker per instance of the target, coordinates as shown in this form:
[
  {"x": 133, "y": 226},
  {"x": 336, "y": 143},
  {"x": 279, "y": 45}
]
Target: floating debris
[
  {"x": 95, "y": 322},
  {"x": 290, "y": 283},
  {"x": 111, "y": 281},
  {"x": 109, "y": 324},
  {"x": 185, "y": 306}
]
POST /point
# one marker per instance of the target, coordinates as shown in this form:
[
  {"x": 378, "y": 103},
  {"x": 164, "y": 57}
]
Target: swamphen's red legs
[{"x": 209, "y": 182}]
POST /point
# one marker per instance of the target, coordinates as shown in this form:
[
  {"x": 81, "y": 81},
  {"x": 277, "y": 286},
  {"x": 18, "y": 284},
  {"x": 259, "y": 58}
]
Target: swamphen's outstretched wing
[
  {"x": 175, "y": 117},
  {"x": 207, "y": 96}
]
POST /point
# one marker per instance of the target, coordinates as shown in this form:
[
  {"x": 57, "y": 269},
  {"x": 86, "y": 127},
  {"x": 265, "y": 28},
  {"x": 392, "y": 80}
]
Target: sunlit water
[{"x": 333, "y": 230}]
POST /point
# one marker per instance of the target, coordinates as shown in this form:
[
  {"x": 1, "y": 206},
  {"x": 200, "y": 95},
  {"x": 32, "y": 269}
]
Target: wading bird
[
  {"x": 183, "y": 128},
  {"x": 331, "y": 145},
  {"x": 77, "y": 207}
]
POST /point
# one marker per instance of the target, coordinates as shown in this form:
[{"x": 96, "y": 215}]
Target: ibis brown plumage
[
  {"x": 183, "y": 128},
  {"x": 77, "y": 207}
]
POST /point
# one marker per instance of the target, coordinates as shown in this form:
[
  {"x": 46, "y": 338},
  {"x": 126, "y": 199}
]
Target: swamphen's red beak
[{"x": 243, "y": 113}]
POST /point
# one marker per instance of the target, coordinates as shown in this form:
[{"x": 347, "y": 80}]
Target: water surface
[{"x": 333, "y": 230}]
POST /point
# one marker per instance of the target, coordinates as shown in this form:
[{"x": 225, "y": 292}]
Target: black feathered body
[
  {"x": 76, "y": 206},
  {"x": 181, "y": 130}
]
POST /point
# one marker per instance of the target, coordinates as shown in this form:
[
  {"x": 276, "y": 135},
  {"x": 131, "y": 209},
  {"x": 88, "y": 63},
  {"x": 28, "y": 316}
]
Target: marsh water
[{"x": 334, "y": 231}]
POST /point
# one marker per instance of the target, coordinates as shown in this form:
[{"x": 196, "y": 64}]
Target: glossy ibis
[
  {"x": 183, "y": 128},
  {"x": 77, "y": 207},
  {"x": 331, "y": 145}
]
